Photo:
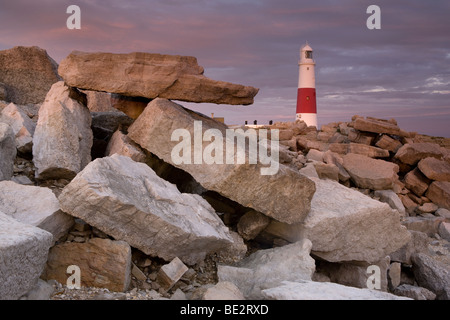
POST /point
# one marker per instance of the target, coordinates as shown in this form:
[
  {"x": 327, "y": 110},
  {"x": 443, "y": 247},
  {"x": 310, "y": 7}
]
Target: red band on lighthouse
[{"x": 306, "y": 100}]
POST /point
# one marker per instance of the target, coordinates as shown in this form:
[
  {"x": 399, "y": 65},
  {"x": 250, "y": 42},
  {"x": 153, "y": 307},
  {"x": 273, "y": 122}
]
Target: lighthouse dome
[
  {"x": 306, "y": 54},
  {"x": 306, "y": 47}
]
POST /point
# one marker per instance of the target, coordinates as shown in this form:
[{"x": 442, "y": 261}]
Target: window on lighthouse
[{"x": 308, "y": 54}]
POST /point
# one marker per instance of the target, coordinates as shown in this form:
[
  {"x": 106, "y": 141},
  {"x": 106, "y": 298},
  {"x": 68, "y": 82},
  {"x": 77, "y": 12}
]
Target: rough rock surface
[
  {"x": 310, "y": 290},
  {"x": 103, "y": 263},
  {"x": 22, "y": 126},
  {"x": 391, "y": 198},
  {"x": 23, "y": 253},
  {"x": 345, "y": 225},
  {"x": 37, "y": 206},
  {"x": 435, "y": 169},
  {"x": 432, "y": 275},
  {"x": 370, "y": 173},
  {"x": 63, "y": 137},
  {"x": 268, "y": 268},
  {"x": 28, "y": 73},
  {"x": 242, "y": 183},
  {"x": 128, "y": 201},
  {"x": 377, "y": 126},
  {"x": 223, "y": 290},
  {"x": 412, "y": 153},
  {"x": 439, "y": 193},
  {"x": 8, "y": 152},
  {"x": 123, "y": 145},
  {"x": 150, "y": 75}
]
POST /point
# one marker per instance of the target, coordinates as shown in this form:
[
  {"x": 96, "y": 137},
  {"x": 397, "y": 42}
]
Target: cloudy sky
[{"x": 401, "y": 71}]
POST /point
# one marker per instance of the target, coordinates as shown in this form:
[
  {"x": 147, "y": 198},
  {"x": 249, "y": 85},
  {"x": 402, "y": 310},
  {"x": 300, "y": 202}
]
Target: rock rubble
[{"x": 97, "y": 188}]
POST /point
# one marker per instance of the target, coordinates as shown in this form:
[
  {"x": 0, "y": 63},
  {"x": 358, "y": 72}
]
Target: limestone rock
[
  {"x": 99, "y": 101},
  {"x": 391, "y": 198},
  {"x": 358, "y": 148},
  {"x": 268, "y": 268},
  {"x": 416, "y": 182},
  {"x": 418, "y": 243},
  {"x": 388, "y": 143},
  {"x": 442, "y": 212},
  {"x": 435, "y": 169},
  {"x": 310, "y": 290},
  {"x": 42, "y": 291},
  {"x": 345, "y": 225},
  {"x": 439, "y": 193},
  {"x": 355, "y": 273},
  {"x": 223, "y": 290},
  {"x": 314, "y": 154},
  {"x": 444, "y": 230},
  {"x": 394, "y": 274},
  {"x": 23, "y": 253},
  {"x": 123, "y": 145},
  {"x": 28, "y": 73},
  {"x": 63, "y": 137},
  {"x": 150, "y": 75},
  {"x": 233, "y": 253},
  {"x": 37, "y": 206},
  {"x": 243, "y": 183},
  {"x": 251, "y": 224},
  {"x": 131, "y": 106},
  {"x": 8, "y": 152},
  {"x": 428, "y": 224},
  {"x": 170, "y": 273},
  {"x": 327, "y": 171},
  {"x": 378, "y": 126},
  {"x": 412, "y": 153},
  {"x": 22, "y": 126},
  {"x": 414, "y": 292},
  {"x": 103, "y": 263},
  {"x": 431, "y": 274},
  {"x": 127, "y": 200},
  {"x": 334, "y": 158},
  {"x": 370, "y": 173}
]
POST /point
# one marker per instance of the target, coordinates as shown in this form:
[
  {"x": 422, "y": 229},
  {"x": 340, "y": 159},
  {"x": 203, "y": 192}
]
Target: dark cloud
[{"x": 400, "y": 71}]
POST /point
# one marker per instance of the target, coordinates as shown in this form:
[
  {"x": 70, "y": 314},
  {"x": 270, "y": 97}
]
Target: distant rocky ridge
[{"x": 81, "y": 181}]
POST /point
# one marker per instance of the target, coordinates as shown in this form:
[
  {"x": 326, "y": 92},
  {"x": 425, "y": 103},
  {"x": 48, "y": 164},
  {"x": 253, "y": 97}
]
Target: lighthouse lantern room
[{"x": 306, "y": 94}]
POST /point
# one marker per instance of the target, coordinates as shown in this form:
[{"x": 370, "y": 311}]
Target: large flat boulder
[
  {"x": 435, "y": 169},
  {"x": 284, "y": 194},
  {"x": 27, "y": 73},
  {"x": 439, "y": 193},
  {"x": 128, "y": 201},
  {"x": 63, "y": 137},
  {"x": 149, "y": 75},
  {"x": 8, "y": 151},
  {"x": 370, "y": 173},
  {"x": 23, "y": 253},
  {"x": 359, "y": 148},
  {"x": 103, "y": 263},
  {"x": 412, "y": 153},
  {"x": 378, "y": 126},
  {"x": 37, "y": 206},
  {"x": 269, "y": 268},
  {"x": 346, "y": 225},
  {"x": 310, "y": 290}
]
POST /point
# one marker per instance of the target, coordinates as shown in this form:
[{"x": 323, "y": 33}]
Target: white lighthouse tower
[{"x": 306, "y": 94}]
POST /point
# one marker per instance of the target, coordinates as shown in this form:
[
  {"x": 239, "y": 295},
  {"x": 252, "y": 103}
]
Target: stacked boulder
[{"x": 86, "y": 187}]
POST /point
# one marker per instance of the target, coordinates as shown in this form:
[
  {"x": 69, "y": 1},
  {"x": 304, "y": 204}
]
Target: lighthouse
[{"x": 306, "y": 94}]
